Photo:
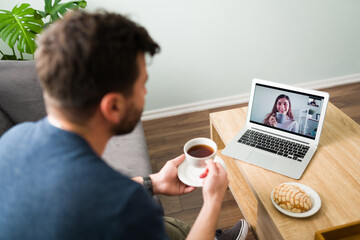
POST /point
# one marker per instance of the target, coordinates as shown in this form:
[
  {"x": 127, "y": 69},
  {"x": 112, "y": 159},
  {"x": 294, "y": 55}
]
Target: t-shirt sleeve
[{"x": 144, "y": 219}]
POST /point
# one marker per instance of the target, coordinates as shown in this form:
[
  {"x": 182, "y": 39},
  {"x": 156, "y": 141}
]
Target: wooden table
[{"x": 334, "y": 173}]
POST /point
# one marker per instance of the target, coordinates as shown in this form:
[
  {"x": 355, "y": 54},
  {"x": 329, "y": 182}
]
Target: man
[{"x": 54, "y": 184}]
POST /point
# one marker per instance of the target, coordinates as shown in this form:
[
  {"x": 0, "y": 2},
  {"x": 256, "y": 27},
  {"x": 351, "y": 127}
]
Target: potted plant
[
  {"x": 310, "y": 112},
  {"x": 20, "y": 26}
]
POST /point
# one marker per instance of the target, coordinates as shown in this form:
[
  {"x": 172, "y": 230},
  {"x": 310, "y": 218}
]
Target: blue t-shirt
[{"x": 54, "y": 186}]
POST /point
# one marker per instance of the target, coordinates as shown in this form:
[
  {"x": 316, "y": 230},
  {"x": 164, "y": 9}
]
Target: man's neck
[
  {"x": 92, "y": 132},
  {"x": 53, "y": 121}
]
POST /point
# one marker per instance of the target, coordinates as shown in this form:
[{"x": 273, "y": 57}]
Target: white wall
[{"x": 213, "y": 48}]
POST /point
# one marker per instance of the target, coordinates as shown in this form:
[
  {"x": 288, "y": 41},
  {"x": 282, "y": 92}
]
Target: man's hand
[
  {"x": 167, "y": 182},
  {"x": 214, "y": 189},
  {"x": 215, "y": 183}
]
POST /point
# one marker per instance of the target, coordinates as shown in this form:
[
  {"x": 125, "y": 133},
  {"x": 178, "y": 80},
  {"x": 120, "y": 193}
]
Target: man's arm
[
  {"x": 214, "y": 189},
  {"x": 166, "y": 181}
]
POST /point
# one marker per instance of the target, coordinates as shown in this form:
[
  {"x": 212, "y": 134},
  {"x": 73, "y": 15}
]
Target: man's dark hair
[{"x": 83, "y": 56}]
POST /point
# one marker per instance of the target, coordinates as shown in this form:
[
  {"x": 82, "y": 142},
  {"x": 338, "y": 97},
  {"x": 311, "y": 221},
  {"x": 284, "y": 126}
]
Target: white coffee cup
[
  {"x": 280, "y": 117},
  {"x": 201, "y": 149}
]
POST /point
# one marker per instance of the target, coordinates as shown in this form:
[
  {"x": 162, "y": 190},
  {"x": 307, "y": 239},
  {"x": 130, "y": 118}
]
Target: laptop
[{"x": 283, "y": 128}]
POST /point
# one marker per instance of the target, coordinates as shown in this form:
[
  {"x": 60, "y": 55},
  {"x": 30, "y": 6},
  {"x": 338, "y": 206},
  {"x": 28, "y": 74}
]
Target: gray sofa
[{"x": 21, "y": 100}]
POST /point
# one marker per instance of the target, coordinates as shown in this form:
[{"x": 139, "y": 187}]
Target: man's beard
[{"x": 127, "y": 125}]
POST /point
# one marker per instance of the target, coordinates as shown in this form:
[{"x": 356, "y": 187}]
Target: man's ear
[{"x": 112, "y": 107}]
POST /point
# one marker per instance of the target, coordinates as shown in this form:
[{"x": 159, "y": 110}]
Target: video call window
[{"x": 286, "y": 110}]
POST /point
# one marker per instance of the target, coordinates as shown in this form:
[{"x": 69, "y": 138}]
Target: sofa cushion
[
  {"x": 5, "y": 123},
  {"x": 20, "y": 92}
]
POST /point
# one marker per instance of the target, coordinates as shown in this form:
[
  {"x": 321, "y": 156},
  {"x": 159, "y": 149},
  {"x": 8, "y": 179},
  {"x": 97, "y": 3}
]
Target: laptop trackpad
[{"x": 262, "y": 159}]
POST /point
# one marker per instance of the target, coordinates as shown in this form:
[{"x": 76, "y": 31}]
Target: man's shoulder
[
  {"x": 15, "y": 135},
  {"x": 19, "y": 128},
  {"x": 27, "y": 129}
]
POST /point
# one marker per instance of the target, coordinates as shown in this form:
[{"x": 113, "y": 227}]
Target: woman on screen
[{"x": 281, "y": 115}]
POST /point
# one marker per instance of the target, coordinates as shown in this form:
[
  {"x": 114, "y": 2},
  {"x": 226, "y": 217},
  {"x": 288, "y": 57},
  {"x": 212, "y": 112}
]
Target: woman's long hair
[{"x": 274, "y": 109}]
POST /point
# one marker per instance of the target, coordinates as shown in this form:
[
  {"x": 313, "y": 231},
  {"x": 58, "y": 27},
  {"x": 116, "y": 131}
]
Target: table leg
[
  {"x": 216, "y": 137},
  {"x": 266, "y": 228}
]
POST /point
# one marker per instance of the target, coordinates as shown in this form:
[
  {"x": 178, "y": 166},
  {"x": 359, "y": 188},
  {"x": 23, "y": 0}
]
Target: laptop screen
[{"x": 286, "y": 110}]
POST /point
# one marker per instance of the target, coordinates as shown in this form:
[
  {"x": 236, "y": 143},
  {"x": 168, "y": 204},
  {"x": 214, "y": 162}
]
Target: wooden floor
[{"x": 166, "y": 136}]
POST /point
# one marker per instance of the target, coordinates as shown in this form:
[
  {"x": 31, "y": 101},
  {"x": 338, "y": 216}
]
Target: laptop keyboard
[{"x": 279, "y": 146}]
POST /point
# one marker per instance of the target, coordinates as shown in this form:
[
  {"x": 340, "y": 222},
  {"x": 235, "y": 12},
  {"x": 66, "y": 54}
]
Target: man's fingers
[
  {"x": 211, "y": 165},
  {"x": 189, "y": 189},
  {"x": 220, "y": 167},
  {"x": 178, "y": 160}
]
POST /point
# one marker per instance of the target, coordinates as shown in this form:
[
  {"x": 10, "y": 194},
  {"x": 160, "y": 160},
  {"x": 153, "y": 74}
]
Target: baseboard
[
  {"x": 239, "y": 99},
  {"x": 330, "y": 82}
]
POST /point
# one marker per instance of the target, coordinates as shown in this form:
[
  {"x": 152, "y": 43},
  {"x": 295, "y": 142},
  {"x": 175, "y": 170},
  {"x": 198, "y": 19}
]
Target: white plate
[
  {"x": 191, "y": 175},
  {"x": 314, "y": 198}
]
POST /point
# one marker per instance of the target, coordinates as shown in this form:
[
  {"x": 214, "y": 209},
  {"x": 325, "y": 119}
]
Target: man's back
[{"x": 53, "y": 186}]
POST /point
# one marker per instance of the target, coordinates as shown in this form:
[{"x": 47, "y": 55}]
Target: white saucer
[
  {"x": 191, "y": 175},
  {"x": 315, "y": 198}
]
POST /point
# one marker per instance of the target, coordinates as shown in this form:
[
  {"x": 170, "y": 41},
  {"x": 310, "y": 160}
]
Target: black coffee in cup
[{"x": 200, "y": 151}]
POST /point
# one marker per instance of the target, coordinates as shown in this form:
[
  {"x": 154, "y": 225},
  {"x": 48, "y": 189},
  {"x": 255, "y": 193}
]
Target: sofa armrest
[{"x": 128, "y": 153}]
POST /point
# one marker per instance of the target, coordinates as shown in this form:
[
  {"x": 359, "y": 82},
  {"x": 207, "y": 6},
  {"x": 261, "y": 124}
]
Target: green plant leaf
[
  {"x": 58, "y": 10},
  {"x": 39, "y": 14},
  {"x": 21, "y": 26}
]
